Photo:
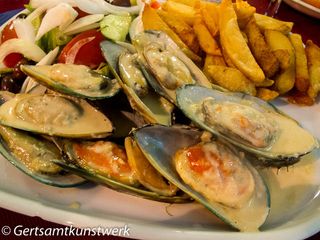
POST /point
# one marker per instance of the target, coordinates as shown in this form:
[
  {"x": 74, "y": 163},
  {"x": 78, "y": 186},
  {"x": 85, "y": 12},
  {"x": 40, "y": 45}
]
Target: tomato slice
[
  {"x": 84, "y": 49},
  {"x": 8, "y": 33}
]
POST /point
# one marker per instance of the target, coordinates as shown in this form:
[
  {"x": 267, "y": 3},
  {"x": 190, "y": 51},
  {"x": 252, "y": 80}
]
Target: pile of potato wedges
[{"x": 239, "y": 49}]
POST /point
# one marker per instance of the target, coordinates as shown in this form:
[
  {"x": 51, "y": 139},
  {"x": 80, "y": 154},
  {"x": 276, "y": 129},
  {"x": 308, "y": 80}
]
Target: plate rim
[
  {"x": 146, "y": 229},
  {"x": 304, "y": 8}
]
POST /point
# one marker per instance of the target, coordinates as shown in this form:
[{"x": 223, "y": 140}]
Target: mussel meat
[
  {"x": 249, "y": 123},
  {"x": 54, "y": 115},
  {"x": 214, "y": 173}
]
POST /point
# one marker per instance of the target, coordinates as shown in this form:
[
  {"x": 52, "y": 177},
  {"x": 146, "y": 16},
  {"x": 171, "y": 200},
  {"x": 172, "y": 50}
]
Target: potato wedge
[
  {"x": 231, "y": 79},
  {"x": 260, "y": 49},
  {"x": 283, "y": 57},
  {"x": 234, "y": 44},
  {"x": 284, "y": 81},
  {"x": 302, "y": 75},
  {"x": 184, "y": 31},
  {"x": 266, "y": 83},
  {"x": 313, "y": 56},
  {"x": 227, "y": 59},
  {"x": 182, "y": 11},
  {"x": 152, "y": 21},
  {"x": 211, "y": 18},
  {"x": 206, "y": 41},
  {"x": 269, "y": 23},
  {"x": 190, "y": 3},
  {"x": 244, "y": 12},
  {"x": 267, "y": 94},
  {"x": 214, "y": 60}
]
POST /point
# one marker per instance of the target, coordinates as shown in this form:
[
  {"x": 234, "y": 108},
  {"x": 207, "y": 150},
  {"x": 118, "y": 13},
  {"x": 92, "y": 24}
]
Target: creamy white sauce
[
  {"x": 279, "y": 134},
  {"x": 169, "y": 69},
  {"x": 227, "y": 180},
  {"x": 240, "y": 120},
  {"x": 292, "y": 139},
  {"x": 252, "y": 205},
  {"x": 75, "y": 77},
  {"x": 33, "y": 113},
  {"x": 131, "y": 74}
]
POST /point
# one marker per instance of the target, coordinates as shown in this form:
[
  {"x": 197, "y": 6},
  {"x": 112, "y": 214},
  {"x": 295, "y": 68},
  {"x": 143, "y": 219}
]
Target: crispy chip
[
  {"x": 152, "y": 21},
  {"x": 313, "y": 56},
  {"x": 206, "y": 41},
  {"x": 185, "y": 32},
  {"x": 302, "y": 75},
  {"x": 260, "y": 49},
  {"x": 234, "y": 44},
  {"x": 231, "y": 79},
  {"x": 267, "y": 94},
  {"x": 211, "y": 19}
]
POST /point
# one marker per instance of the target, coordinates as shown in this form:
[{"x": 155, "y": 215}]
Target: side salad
[{"x": 63, "y": 31}]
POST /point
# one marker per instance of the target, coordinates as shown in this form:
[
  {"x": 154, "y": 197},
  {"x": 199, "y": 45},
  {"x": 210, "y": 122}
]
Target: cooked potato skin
[
  {"x": 313, "y": 56},
  {"x": 284, "y": 81},
  {"x": 231, "y": 79},
  {"x": 260, "y": 49},
  {"x": 302, "y": 75}
]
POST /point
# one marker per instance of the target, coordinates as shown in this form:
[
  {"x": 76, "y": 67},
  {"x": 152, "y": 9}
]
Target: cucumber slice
[{"x": 115, "y": 27}]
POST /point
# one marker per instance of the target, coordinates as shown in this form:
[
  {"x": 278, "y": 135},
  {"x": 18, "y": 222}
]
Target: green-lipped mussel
[
  {"x": 106, "y": 163},
  {"x": 54, "y": 115},
  {"x": 213, "y": 172},
  {"x": 75, "y": 80},
  {"x": 152, "y": 107},
  {"x": 248, "y": 123},
  {"x": 168, "y": 67},
  {"x": 34, "y": 156}
]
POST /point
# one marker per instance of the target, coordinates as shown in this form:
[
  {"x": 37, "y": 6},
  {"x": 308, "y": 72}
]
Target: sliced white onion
[
  {"x": 60, "y": 16},
  {"x": 136, "y": 27},
  {"x": 40, "y": 3},
  {"x": 48, "y": 59},
  {"x": 36, "y": 13},
  {"x": 102, "y": 7},
  {"x": 83, "y": 22},
  {"x": 17, "y": 45},
  {"x": 82, "y": 29},
  {"x": 24, "y": 29},
  {"x": 91, "y": 6}
]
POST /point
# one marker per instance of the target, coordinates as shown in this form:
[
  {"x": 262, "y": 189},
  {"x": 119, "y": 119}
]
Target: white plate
[
  {"x": 295, "y": 211},
  {"x": 304, "y": 7}
]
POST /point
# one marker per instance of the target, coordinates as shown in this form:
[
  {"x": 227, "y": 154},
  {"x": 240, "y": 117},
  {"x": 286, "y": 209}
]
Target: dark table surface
[{"x": 307, "y": 26}]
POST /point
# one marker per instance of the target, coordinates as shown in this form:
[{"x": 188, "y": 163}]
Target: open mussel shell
[
  {"x": 120, "y": 187},
  {"x": 54, "y": 115},
  {"x": 121, "y": 182},
  {"x": 273, "y": 137},
  {"x": 146, "y": 174},
  {"x": 75, "y": 80},
  {"x": 166, "y": 66},
  {"x": 106, "y": 163},
  {"x": 33, "y": 156},
  {"x": 152, "y": 107},
  {"x": 160, "y": 144}
]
